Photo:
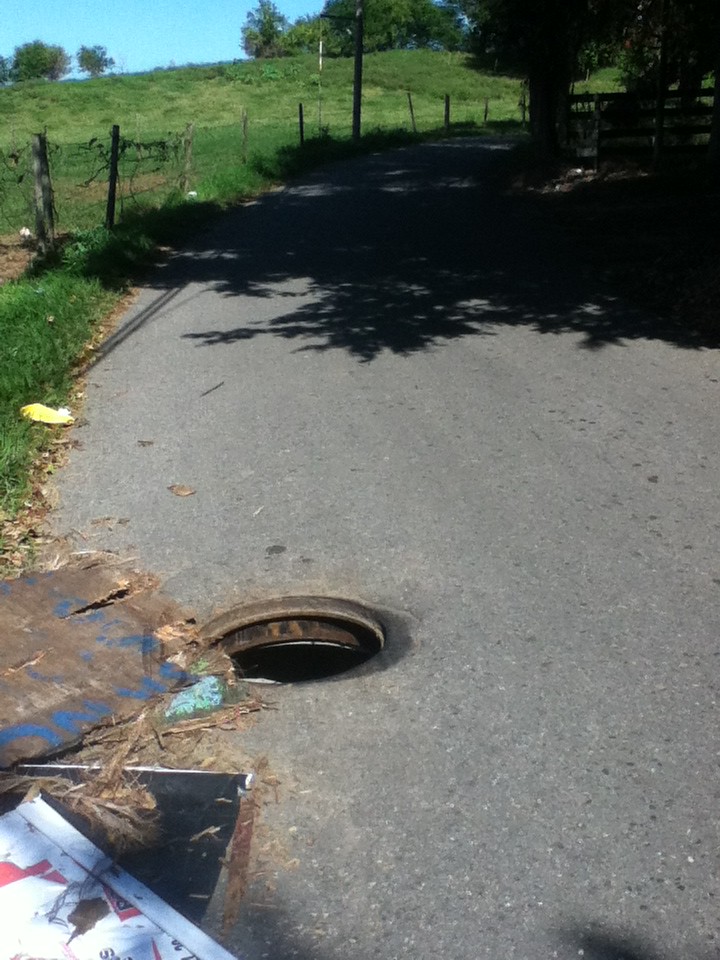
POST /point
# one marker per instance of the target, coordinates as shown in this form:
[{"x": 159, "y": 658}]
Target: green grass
[
  {"x": 151, "y": 104},
  {"x": 44, "y": 324},
  {"x": 81, "y": 283},
  {"x": 606, "y": 80}
]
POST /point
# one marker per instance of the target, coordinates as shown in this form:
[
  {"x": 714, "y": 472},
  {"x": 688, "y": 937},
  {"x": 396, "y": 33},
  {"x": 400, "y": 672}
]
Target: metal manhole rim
[{"x": 332, "y": 609}]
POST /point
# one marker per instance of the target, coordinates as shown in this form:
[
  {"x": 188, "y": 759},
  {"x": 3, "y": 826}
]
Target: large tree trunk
[
  {"x": 544, "y": 113},
  {"x": 552, "y": 48},
  {"x": 549, "y": 84},
  {"x": 715, "y": 129}
]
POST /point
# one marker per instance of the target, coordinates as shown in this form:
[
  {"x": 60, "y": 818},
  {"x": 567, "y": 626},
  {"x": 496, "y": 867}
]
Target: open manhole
[{"x": 296, "y": 639}]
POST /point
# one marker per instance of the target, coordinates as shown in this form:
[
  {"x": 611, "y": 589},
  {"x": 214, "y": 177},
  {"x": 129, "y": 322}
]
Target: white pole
[{"x": 320, "y": 65}]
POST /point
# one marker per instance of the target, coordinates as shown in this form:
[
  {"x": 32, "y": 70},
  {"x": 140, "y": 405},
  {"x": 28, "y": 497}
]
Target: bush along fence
[{"x": 653, "y": 126}]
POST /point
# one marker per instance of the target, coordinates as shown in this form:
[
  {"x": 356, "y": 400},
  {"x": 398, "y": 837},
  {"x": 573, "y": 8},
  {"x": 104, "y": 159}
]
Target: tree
[
  {"x": 688, "y": 31},
  {"x": 305, "y": 34},
  {"x": 5, "y": 70},
  {"x": 396, "y": 25},
  {"x": 548, "y": 41},
  {"x": 264, "y": 30},
  {"x": 714, "y": 158},
  {"x": 38, "y": 60},
  {"x": 540, "y": 40},
  {"x": 94, "y": 60}
]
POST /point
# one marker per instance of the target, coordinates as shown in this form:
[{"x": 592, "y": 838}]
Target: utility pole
[
  {"x": 359, "y": 19},
  {"x": 357, "y": 81}
]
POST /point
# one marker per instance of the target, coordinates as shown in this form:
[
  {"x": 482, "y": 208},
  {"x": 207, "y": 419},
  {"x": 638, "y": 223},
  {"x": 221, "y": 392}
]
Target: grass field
[
  {"x": 148, "y": 105},
  {"x": 47, "y": 318}
]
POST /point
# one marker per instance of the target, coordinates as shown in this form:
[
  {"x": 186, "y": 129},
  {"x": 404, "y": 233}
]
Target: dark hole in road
[{"x": 298, "y": 639}]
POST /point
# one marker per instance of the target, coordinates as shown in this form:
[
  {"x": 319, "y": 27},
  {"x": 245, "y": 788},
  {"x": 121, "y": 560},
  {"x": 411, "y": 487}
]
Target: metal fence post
[
  {"x": 112, "y": 177},
  {"x": 44, "y": 217}
]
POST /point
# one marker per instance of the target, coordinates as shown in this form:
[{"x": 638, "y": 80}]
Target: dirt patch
[
  {"x": 15, "y": 257},
  {"x": 128, "y": 187}
]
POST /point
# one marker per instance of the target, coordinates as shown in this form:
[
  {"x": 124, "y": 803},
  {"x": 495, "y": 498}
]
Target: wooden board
[{"x": 78, "y": 646}]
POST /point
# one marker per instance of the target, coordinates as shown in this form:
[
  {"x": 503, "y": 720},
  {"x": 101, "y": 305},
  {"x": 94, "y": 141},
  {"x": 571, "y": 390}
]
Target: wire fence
[{"x": 207, "y": 162}]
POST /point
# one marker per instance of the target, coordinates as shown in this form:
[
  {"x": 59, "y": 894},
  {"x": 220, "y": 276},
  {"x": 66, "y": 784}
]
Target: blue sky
[{"x": 139, "y": 34}]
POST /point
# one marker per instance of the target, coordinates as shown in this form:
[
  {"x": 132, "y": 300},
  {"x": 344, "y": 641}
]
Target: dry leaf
[{"x": 180, "y": 490}]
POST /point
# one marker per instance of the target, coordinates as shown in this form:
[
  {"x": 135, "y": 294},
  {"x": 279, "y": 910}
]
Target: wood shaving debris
[
  {"x": 207, "y": 832},
  {"x": 180, "y": 490},
  {"x": 36, "y": 658}
]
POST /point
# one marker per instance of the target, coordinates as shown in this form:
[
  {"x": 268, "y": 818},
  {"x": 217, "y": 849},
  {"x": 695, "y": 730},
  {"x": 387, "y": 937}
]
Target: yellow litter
[{"x": 43, "y": 414}]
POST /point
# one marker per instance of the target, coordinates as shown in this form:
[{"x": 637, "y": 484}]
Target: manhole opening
[{"x": 298, "y": 648}]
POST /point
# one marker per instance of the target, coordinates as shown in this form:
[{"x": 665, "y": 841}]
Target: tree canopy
[
  {"x": 395, "y": 25},
  {"x": 265, "y": 27},
  {"x": 94, "y": 60},
  {"x": 389, "y": 25},
  {"x": 550, "y": 42},
  {"x": 38, "y": 61}
]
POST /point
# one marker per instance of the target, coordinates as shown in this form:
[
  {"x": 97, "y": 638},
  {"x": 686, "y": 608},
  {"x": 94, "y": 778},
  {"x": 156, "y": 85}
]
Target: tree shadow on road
[
  {"x": 401, "y": 252},
  {"x": 600, "y": 942},
  {"x": 268, "y": 929}
]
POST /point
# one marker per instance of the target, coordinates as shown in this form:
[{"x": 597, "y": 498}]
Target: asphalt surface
[{"x": 386, "y": 383}]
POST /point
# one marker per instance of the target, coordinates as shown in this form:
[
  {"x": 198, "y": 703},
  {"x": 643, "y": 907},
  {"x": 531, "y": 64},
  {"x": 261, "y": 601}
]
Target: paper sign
[{"x": 62, "y": 897}]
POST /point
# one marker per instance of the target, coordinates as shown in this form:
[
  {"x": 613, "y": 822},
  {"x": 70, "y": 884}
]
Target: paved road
[{"x": 384, "y": 382}]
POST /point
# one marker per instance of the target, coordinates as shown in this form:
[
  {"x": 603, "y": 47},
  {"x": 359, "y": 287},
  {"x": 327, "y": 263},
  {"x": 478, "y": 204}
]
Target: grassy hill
[{"x": 150, "y": 104}]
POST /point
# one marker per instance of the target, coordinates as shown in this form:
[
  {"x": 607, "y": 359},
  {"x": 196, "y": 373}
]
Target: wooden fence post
[
  {"x": 244, "y": 122},
  {"x": 301, "y": 124},
  {"x": 597, "y": 119},
  {"x": 447, "y": 114},
  {"x": 44, "y": 217},
  {"x": 412, "y": 112},
  {"x": 188, "y": 150},
  {"x": 112, "y": 177}
]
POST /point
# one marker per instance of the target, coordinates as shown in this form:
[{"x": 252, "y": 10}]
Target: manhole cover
[{"x": 296, "y": 639}]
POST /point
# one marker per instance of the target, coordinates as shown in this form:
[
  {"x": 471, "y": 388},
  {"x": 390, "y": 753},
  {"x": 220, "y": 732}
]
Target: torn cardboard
[{"x": 81, "y": 645}]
